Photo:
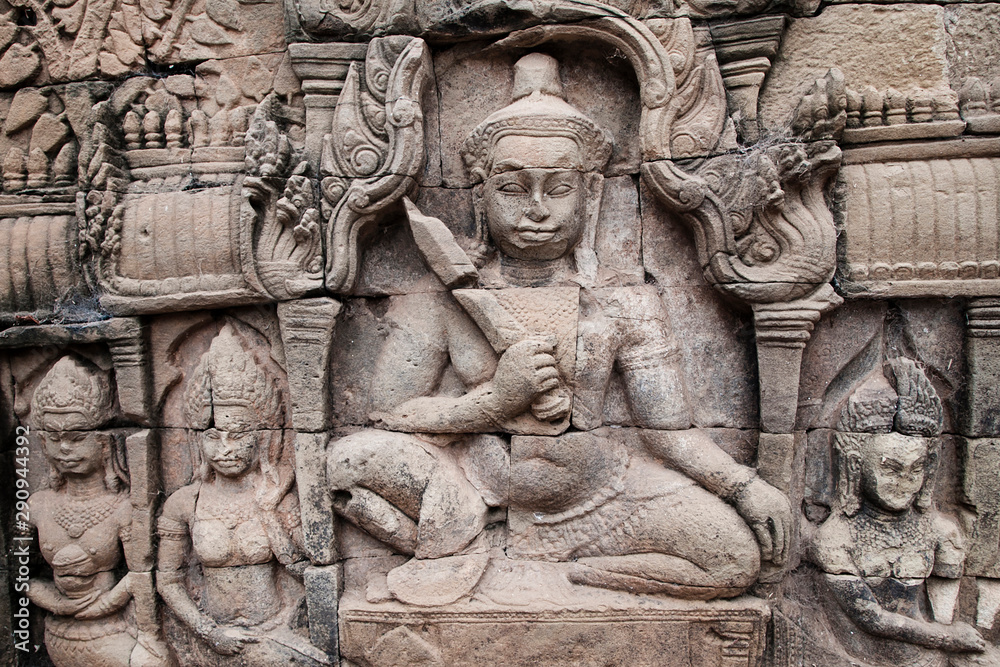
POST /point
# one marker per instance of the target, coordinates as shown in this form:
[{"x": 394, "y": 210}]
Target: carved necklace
[
  {"x": 77, "y": 515},
  {"x": 231, "y": 513}
]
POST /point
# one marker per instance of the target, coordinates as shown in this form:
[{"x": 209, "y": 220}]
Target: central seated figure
[{"x": 658, "y": 508}]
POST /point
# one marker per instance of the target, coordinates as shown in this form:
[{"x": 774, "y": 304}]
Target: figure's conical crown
[
  {"x": 902, "y": 398},
  {"x": 229, "y": 379},
  {"x": 78, "y": 394},
  {"x": 539, "y": 109}
]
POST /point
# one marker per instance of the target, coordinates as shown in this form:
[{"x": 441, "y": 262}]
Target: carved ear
[
  {"x": 925, "y": 498},
  {"x": 482, "y": 244},
  {"x": 852, "y": 486},
  {"x": 116, "y": 477}
]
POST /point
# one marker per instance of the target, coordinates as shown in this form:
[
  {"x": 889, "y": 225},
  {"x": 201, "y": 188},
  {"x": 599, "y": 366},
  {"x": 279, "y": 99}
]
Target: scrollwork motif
[{"x": 364, "y": 173}]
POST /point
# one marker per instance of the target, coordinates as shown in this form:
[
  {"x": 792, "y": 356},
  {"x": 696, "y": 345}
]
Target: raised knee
[
  {"x": 738, "y": 563},
  {"x": 346, "y": 460}
]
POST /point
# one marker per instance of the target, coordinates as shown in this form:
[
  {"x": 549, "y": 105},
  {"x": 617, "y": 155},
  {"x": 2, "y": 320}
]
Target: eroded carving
[
  {"x": 376, "y": 150},
  {"x": 535, "y": 351},
  {"x": 84, "y": 524},
  {"x": 544, "y": 445},
  {"x": 891, "y": 561},
  {"x": 238, "y": 523},
  {"x": 495, "y": 17},
  {"x": 169, "y": 217},
  {"x": 283, "y": 225}
]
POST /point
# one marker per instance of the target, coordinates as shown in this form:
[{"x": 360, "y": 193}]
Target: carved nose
[{"x": 536, "y": 211}]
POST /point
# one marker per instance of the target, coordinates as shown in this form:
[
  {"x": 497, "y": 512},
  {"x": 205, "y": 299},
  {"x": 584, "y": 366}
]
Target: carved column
[
  {"x": 980, "y": 424},
  {"x": 782, "y": 333},
  {"x": 130, "y": 355},
  {"x": 745, "y": 50},
  {"x": 307, "y": 332},
  {"x": 322, "y": 69},
  {"x": 143, "y": 450}
]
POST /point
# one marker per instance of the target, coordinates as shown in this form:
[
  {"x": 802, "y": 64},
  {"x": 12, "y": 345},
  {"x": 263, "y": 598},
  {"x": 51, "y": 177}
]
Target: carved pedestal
[{"x": 600, "y": 629}]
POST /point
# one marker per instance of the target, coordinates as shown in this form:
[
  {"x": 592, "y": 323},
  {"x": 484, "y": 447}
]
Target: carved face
[
  {"x": 535, "y": 199},
  {"x": 74, "y": 453},
  {"x": 230, "y": 453},
  {"x": 893, "y": 470}
]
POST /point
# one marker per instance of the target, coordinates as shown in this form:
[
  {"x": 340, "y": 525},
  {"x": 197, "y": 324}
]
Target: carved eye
[
  {"x": 76, "y": 437},
  {"x": 560, "y": 190},
  {"x": 891, "y": 465},
  {"x": 512, "y": 188},
  {"x": 212, "y": 434}
]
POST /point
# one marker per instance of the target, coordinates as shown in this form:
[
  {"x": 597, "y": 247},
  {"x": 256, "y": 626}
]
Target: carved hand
[
  {"x": 767, "y": 512},
  {"x": 228, "y": 639},
  {"x": 109, "y": 601},
  {"x": 961, "y": 637},
  {"x": 72, "y": 606},
  {"x": 526, "y": 370},
  {"x": 101, "y": 607},
  {"x": 271, "y": 493}
]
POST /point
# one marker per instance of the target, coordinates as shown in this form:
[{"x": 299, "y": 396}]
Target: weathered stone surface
[
  {"x": 901, "y": 46},
  {"x": 505, "y": 331},
  {"x": 935, "y": 223},
  {"x": 971, "y": 29},
  {"x": 928, "y": 546},
  {"x": 601, "y": 630}
]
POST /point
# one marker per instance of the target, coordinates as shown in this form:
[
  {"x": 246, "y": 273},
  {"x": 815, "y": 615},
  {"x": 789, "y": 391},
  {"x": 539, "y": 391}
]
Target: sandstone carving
[
  {"x": 469, "y": 332},
  {"x": 944, "y": 248},
  {"x": 376, "y": 149},
  {"x": 239, "y": 520},
  {"x": 891, "y": 561},
  {"x": 536, "y": 164},
  {"x": 85, "y": 528},
  {"x": 197, "y": 134}
]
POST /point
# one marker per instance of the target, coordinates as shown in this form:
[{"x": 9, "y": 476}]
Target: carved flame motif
[
  {"x": 278, "y": 217},
  {"x": 376, "y": 150},
  {"x": 765, "y": 238}
]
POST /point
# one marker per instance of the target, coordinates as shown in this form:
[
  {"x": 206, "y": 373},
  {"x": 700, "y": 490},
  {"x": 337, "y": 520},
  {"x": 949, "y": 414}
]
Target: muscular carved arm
[
  {"x": 861, "y": 606},
  {"x": 647, "y": 359},
  {"x": 428, "y": 332}
]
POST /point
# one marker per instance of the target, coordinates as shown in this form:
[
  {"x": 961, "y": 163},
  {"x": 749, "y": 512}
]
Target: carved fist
[
  {"x": 552, "y": 405},
  {"x": 766, "y": 511},
  {"x": 526, "y": 370}
]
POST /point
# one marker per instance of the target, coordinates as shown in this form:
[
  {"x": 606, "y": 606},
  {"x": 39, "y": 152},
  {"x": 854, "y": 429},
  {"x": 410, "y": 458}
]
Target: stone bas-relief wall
[{"x": 542, "y": 333}]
